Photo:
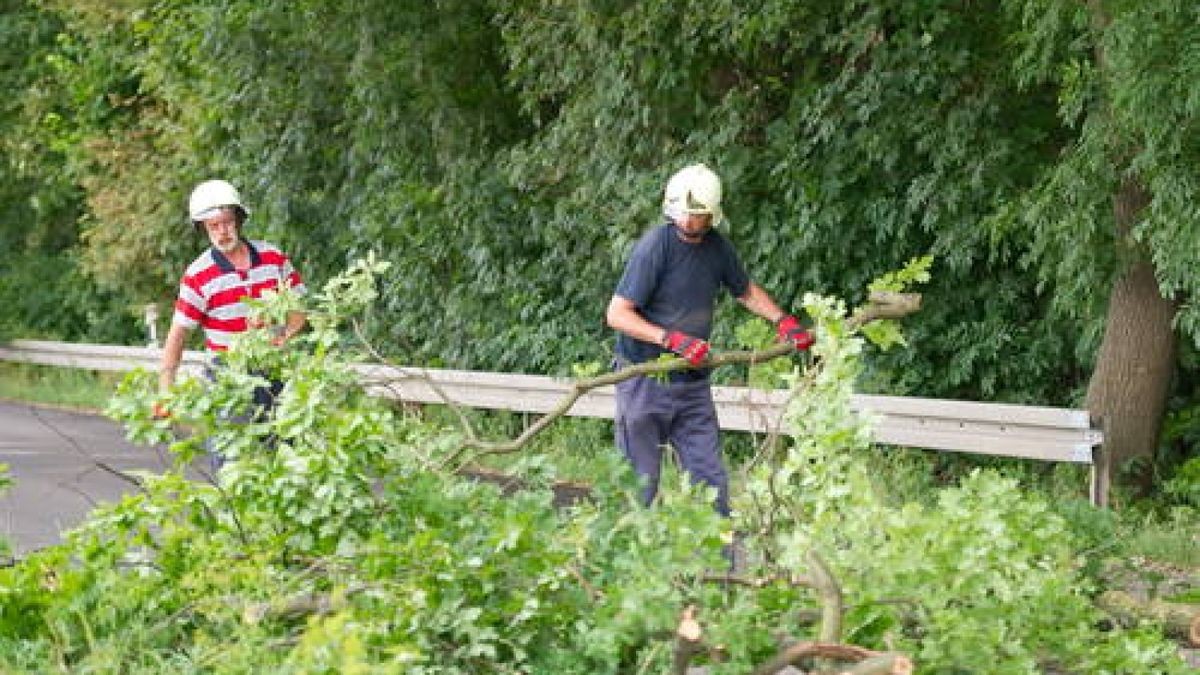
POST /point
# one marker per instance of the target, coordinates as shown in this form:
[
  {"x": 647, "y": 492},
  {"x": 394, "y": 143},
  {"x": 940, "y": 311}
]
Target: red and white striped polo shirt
[{"x": 211, "y": 291}]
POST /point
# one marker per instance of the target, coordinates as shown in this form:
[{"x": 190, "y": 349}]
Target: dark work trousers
[
  {"x": 651, "y": 413},
  {"x": 260, "y": 408}
]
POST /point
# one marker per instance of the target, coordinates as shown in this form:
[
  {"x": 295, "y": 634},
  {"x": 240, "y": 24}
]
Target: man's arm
[
  {"x": 172, "y": 354},
  {"x": 760, "y": 303},
  {"x": 787, "y": 327},
  {"x": 623, "y": 315}
]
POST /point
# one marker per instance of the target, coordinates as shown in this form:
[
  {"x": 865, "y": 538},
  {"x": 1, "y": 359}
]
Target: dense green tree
[
  {"x": 505, "y": 155},
  {"x": 1114, "y": 218},
  {"x": 852, "y": 136},
  {"x": 43, "y": 288}
]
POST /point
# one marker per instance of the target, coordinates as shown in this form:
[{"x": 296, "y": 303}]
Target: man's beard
[{"x": 692, "y": 237}]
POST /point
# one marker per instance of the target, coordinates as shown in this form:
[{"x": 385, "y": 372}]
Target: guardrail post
[
  {"x": 151, "y": 315},
  {"x": 1101, "y": 472}
]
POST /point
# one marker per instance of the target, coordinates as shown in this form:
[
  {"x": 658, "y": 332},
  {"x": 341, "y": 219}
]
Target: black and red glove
[
  {"x": 790, "y": 330},
  {"x": 693, "y": 349}
]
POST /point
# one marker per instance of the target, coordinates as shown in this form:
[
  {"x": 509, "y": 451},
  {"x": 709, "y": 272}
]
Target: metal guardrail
[{"x": 1034, "y": 432}]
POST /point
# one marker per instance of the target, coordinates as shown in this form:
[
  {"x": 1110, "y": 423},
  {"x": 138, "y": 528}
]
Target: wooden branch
[
  {"x": 866, "y": 662},
  {"x": 593, "y": 594},
  {"x": 566, "y": 492},
  {"x": 883, "y": 664},
  {"x": 758, "y": 582},
  {"x": 882, "y": 305},
  {"x": 1179, "y": 620},
  {"x": 687, "y": 641},
  {"x": 831, "y": 599},
  {"x": 297, "y": 606},
  {"x": 465, "y": 423}
]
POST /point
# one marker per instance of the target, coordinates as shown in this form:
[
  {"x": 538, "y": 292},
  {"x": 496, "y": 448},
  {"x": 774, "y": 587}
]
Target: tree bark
[{"x": 1131, "y": 380}]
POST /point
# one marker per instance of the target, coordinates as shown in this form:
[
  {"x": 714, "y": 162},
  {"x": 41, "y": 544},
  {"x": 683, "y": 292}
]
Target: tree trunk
[{"x": 1132, "y": 376}]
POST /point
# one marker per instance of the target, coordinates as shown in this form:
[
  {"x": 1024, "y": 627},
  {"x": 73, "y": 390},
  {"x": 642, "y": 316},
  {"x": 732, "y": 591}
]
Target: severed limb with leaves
[
  {"x": 687, "y": 640},
  {"x": 881, "y": 305},
  {"x": 825, "y": 650}
]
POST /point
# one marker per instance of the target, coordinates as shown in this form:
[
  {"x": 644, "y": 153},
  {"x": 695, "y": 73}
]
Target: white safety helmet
[
  {"x": 212, "y": 195},
  {"x": 693, "y": 189}
]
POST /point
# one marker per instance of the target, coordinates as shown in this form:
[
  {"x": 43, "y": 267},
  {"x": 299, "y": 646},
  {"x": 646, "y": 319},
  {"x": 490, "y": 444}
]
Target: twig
[
  {"x": 593, "y": 594},
  {"x": 759, "y": 582},
  {"x": 468, "y": 430}
]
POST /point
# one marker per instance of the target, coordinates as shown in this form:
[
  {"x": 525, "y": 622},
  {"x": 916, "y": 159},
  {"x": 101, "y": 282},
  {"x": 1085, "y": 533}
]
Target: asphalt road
[{"x": 60, "y": 464}]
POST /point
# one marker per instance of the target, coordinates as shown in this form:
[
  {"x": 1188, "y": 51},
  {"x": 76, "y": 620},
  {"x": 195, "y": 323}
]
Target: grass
[
  {"x": 51, "y": 385},
  {"x": 1172, "y": 538}
]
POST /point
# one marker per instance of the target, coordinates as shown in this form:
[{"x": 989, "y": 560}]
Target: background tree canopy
[{"x": 505, "y": 155}]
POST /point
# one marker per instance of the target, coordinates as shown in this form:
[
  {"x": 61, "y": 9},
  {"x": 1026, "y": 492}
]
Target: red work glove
[
  {"x": 790, "y": 330},
  {"x": 693, "y": 349}
]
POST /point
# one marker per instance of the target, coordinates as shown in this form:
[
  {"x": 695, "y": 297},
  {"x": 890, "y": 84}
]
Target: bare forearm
[
  {"x": 623, "y": 316},
  {"x": 172, "y": 354},
  {"x": 760, "y": 303}
]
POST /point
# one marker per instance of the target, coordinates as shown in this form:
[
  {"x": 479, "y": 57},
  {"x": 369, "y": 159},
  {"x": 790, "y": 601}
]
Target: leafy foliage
[
  {"x": 487, "y": 150},
  {"x": 339, "y": 545},
  {"x": 42, "y": 285}
]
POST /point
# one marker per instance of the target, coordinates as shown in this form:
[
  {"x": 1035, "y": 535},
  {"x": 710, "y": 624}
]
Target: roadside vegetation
[
  {"x": 348, "y": 540},
  {"x": 502, "y": 156},
  {"x": 49, "y": 385}
]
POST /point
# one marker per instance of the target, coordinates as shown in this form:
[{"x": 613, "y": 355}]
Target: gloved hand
[
  {"x": 693, "y": 349},
  {"x": 790, "y": 330}
]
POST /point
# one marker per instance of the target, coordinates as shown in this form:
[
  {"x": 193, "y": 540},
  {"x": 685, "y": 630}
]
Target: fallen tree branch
[
  {"x": 465, "y": 423},
  {"x": 881, "y": 305},
  {"x": 1179, "y": 621},
  {"x": 758, "y": 582},
  {"x": 566, "y": 492},
  {"x": 301, "y": 605},
  {"x": 866, "y": 662},
  {"x": 831, "y": 598}
]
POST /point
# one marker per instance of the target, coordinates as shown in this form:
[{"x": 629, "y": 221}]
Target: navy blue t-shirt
[{"x": 674, "y": 284}]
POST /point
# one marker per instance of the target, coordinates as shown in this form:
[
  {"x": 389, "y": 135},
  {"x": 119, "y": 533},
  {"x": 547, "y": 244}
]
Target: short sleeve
[
  {"x": 734, "y": 276},
  {"x": 190, "y": 305},
  {"x": 641, "y": 272}
]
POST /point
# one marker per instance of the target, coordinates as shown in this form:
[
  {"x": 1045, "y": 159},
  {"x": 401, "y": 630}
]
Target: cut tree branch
[
  {"x": 866, "y": 662},
  {"x": 687, "y": 641},
  {"x": 882, "y": 305},
  {"x": 1179, "y": 620},
  {"x": 301, "y": 605}
]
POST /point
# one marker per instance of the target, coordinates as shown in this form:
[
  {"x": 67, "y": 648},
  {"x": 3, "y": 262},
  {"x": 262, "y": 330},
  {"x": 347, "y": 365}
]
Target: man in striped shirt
[{"x": 213, "y": 286}]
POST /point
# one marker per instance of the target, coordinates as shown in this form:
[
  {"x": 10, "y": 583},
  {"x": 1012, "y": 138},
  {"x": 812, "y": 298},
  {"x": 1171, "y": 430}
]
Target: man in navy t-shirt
[{"x": 664, "y": 303}]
